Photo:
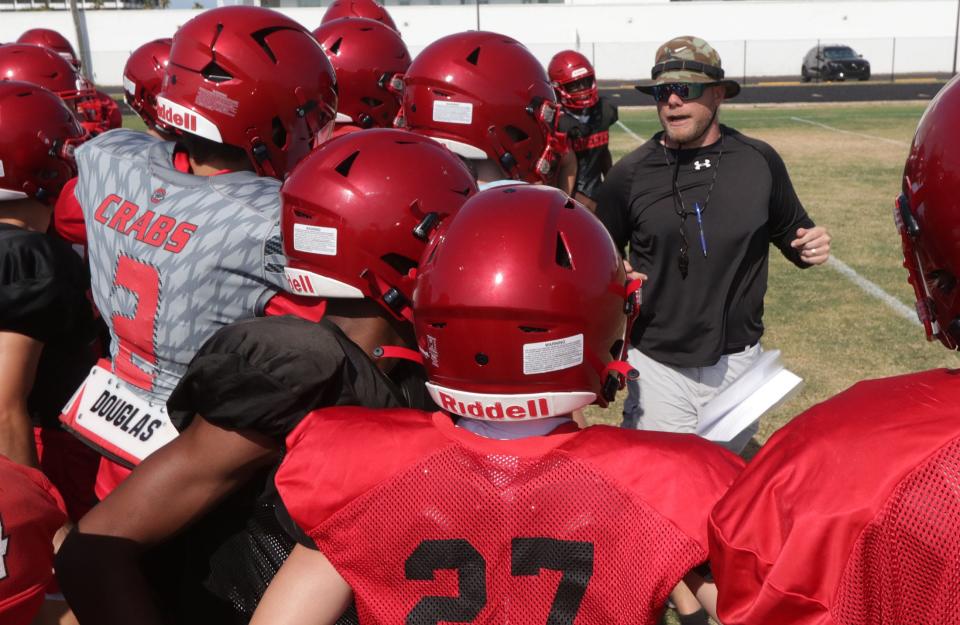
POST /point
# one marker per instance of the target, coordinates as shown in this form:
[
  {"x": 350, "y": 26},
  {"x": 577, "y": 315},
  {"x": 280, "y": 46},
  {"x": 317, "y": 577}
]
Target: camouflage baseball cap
[{"x": 688, "y": 59}]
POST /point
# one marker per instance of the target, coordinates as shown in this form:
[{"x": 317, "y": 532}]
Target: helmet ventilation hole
[
  {"x": 344, "y": 167},
  {"x": 215, "y": 73},
  {"x": 260, "y": 37},
  {"x": 474, "y": 56},
  {"x": 515, "y": 134},
  {"x": 481, "y": 358},
  {"x": 400, "y": 264},
  {"x": 335, "y": 48},
  {"x": 279, "y": 133},
  {"x": 563, "y": 254}
]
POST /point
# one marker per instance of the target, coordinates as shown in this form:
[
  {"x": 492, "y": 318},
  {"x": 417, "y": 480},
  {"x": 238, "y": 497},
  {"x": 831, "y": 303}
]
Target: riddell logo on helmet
[
  {"x": 185, "y": 121},
  {"x": 179, "y": 116},
  {"x": 300, "y": 283},
  {"x": 530, "y": 409}
]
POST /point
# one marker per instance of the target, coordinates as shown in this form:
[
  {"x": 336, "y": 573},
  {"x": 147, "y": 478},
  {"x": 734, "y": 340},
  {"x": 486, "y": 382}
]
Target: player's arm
[
  {"x": 567, "y": 172},
  {"x": 98, "y": 564},
  {"x": 19, "y": 357},
  {"x": 68, "y": 215},
  {"x": 706, "y": 592},
  {"x": 307, "y": 590}
]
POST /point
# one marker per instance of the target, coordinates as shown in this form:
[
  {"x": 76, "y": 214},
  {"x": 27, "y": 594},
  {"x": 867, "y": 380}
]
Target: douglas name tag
[{"x": 106, "y": 414}]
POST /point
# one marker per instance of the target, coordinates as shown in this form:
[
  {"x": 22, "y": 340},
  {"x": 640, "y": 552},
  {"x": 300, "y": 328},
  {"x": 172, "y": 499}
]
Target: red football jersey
[
  {"x": 430, "y": 523},
  {"x": 31, "y": 512},
  {"x": 850, "y": 515}
]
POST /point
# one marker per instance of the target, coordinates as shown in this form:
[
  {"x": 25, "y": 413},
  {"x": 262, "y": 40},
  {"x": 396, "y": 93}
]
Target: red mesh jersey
[
  {"x": 429, "y": 523},
  {"x": 31, "y": 511},
  {"x": 850, "y": 515}
]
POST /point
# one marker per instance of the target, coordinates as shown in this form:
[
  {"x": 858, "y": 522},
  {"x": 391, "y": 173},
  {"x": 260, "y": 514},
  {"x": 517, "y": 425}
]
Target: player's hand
[
  {"x": 814, "y": 245},
  {"x": 631, "y": 274}
]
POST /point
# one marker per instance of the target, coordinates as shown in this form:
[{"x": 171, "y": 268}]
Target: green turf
[
  {"x": 831, "y": 333},
  {"x": 133, "y": 122}
]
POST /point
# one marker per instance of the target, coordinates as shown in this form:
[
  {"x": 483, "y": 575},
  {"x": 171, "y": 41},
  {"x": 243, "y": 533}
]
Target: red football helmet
[
  {"x": 252, "y": 78},
  {"x": 519, "y": 307},
  {"x": 927, "y": 214},
  {"x": 358, "y": 212},
  {"x": 572, "y": 76},
  {"x": 370, "y": 9},
  {"x": 38, "y": 134},
  {"x": 484, "y": 95},
  {"x": 44, "y": 67},
  {"x": 367, "y": 56},
  {"x": 52, "y": 40},
  {"x": 142, "y": 77}
]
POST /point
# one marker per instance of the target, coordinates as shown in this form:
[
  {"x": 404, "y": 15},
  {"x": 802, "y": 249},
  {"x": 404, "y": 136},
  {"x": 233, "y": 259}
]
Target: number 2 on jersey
[
  {"x": 136, "y": 335},
  {"x": 528, "y": 556}
]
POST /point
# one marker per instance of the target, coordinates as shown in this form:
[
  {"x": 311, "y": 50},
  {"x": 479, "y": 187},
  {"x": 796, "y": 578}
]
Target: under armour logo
[{"x": 698, "y": 165}]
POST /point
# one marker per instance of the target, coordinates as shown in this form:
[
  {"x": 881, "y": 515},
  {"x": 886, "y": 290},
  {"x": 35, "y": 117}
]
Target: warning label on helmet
[
  {"x": 216, "y": 101},
  {"x": 315, "y": 239},
  {"x": 452, "y": 112},
  {"x": 552, "y": 355}
]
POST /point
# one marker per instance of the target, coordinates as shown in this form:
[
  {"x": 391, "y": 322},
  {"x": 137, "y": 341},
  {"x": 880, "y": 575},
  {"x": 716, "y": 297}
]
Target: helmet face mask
[
  {"x": 935, "y": 288},
  {"x": 573, "y": 77}
]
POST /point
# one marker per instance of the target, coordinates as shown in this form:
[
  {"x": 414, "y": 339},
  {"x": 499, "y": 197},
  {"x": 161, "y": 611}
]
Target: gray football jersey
[{"x": 173, "y": 257}]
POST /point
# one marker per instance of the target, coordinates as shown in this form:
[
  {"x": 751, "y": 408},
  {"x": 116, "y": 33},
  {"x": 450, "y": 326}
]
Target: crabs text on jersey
[{"x": 145, "y": 225}]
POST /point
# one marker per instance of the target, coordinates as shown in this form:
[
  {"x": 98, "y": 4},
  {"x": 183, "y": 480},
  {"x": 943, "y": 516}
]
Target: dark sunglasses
[{"x": 683, "y": 90}]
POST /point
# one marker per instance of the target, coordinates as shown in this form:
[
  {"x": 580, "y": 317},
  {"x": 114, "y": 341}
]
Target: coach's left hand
[{"x": 814, "y": 245}]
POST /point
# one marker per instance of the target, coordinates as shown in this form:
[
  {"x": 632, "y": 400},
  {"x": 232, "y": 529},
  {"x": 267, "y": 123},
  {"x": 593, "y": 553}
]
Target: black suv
[{"x": 834, "y": 62}]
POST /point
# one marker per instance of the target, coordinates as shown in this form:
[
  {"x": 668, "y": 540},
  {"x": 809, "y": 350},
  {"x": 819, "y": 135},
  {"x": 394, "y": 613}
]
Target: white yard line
[
  {"x": 850, "y": 132},
  {"x": 629, "y": 132},
  {"x": 835, "y": 263},
  {"x": 873, "y": 290}
]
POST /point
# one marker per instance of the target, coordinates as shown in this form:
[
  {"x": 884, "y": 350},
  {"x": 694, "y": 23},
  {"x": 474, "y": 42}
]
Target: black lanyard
[{"x": 681, "y": 209}]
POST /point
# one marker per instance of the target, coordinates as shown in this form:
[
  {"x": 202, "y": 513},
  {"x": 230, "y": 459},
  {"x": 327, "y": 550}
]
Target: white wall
[{"x": 754, "y": 36}]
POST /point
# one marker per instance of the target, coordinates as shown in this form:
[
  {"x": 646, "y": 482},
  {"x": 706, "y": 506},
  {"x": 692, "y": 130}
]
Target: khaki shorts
[{"x": 670, "y": 399}]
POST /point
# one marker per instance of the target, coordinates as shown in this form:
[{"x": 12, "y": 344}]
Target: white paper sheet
[{"x": 761, "y": 388}]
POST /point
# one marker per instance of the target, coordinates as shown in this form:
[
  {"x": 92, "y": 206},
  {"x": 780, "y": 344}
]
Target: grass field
[{"x": 846, "y": 170}]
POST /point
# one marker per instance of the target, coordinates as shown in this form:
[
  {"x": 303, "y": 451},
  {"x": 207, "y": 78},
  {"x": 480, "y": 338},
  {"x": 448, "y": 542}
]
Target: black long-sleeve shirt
[{"x": 718, "y": 306}]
